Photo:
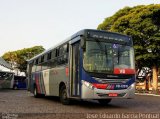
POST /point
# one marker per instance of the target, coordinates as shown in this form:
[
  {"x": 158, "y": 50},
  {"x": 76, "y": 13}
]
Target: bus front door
[{"x": 74, "y": 75}]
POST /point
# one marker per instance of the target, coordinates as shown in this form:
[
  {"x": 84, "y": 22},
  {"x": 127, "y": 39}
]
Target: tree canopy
[
  {"x": 143, "y": 24},
  {"x": 18, "y": 58}
]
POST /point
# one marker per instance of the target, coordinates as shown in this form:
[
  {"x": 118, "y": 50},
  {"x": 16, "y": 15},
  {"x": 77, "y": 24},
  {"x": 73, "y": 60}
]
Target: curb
[{"x": 147, "y": 94}]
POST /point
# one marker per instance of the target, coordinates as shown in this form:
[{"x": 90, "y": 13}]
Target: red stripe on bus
[
  {"x": 43, "y": 83},
  {"x": 37, "y": 83},
  {"x": 100, "y": 86},
  {"x": 67, "y": 71}
]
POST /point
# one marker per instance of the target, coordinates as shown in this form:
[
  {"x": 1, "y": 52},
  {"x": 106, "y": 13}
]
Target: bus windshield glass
[{"x": 103, "y": 57}]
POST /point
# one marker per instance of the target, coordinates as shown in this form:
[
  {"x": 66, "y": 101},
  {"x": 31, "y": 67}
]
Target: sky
[{"x": 28, "y": 23}]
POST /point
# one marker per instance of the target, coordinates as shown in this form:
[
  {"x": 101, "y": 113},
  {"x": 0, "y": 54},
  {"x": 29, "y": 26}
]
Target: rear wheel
[
  {"x": 63, "y": 96},
  {"x": 36, "y": 95},
  {"x": 15, "y": 87},
  {"x": 104, "y": 101}
]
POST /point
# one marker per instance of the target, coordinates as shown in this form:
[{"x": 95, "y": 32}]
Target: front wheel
[
  {"x": 63, "y": 96},
  {"x": 104, "y": 101}
]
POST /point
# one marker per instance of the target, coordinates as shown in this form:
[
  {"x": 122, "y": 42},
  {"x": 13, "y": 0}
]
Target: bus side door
[{"x": 74, "y": 68}]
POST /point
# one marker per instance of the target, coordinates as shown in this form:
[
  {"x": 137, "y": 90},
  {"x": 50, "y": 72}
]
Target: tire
[
  {"x": 36, "y": 95},
  {"x": 63, "y": 96},
  {"x": 104, "y": 101},
  {"x": 15, "y": 87}
]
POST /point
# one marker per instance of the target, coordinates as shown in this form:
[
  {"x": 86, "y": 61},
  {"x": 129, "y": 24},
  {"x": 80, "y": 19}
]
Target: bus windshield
[{"x": 103, "y": 57}]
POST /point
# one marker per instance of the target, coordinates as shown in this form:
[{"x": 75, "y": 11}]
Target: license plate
[{"x": 112, "y": 94}]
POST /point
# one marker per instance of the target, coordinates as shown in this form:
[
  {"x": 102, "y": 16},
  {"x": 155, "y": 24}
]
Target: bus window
[
  {"x": 45, "y": 57},
  {"x": 65, "y": 48},
  {"x": 49, "y": 56},
  {"x": 38, "y": 67},
  {"x": 57, "y": 52},
  {"x": 36, "y": 61},
  {"x": 53, "y": 54},
  {"x": 61, "y": 50},
  {"x": 42, "y": 59},
  {"x": 63, "y": 56},
  {"x": 34, "y": 66}
]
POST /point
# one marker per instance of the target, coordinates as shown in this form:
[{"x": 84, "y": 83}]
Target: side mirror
[{"x": 83, "y": 43}]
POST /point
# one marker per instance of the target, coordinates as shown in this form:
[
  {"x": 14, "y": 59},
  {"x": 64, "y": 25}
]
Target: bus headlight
[{"x": 87, "y": 84}]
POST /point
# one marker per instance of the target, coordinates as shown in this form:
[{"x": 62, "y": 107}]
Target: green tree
[
  {"x": 19, "y": 58},
  {"x": 143, "y": 24}
]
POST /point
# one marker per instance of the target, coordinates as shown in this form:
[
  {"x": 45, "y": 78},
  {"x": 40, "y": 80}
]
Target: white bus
[{"x": 91, "y": 64}]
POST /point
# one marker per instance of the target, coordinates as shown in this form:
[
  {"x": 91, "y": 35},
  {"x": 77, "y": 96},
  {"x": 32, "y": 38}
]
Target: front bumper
[{"x": 94, "y": 93}]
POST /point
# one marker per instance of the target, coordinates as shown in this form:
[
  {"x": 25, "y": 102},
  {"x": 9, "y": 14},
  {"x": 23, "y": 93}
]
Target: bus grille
[{"x": 112, "y": 81}]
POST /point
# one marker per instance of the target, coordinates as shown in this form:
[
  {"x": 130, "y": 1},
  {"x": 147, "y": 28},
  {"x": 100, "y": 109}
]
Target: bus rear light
[{"x": 100, "y": 86}]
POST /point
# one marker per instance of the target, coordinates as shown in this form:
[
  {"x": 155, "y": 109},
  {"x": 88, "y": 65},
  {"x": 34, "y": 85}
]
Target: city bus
[
  {"x": 6, "y": 80},
  {"x": 91, "y": 64}
]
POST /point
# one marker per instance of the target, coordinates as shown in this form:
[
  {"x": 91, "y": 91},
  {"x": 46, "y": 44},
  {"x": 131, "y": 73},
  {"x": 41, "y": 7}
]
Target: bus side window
[
  {"x": 54, "y": 59},
  {"x": 42, "y": 59},
  {"x": 38, "y": 64},
  {"x": 44, "y": 63},
  {"x": 61, "y": 51},
  {"x": 53, "y": 54},
  {"x": 49, "y": 55},
  {"x": 61, "y": 54},
  {"x": 34, "y": 66},
  {"x": 56, "y": 56},
  {"x": 45, "y": 57},
  {"x": 66, "y": 47},
  {"x": 29, "y": 67},
  {"x": 57, "y": 52},
  {"x": 65, "y": 54}
]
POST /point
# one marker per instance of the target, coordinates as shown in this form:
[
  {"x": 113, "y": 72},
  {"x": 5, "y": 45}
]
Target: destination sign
[{"x": 110, "y": 37}]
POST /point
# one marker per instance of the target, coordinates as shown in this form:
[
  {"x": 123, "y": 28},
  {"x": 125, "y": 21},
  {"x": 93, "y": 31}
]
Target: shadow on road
[
  {"x": 93, "y": 104},
  {"x": 5, "y": 90},
  {"x": 85, "y": 103}
]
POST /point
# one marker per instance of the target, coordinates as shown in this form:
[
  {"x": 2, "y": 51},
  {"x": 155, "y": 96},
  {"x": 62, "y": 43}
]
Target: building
[
  {"x": 4, "y": 66},
  {"x": 6, "y": 74}
]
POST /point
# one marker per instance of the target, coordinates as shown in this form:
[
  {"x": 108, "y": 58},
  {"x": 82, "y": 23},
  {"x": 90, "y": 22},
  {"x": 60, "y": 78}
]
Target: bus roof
[{"x": 79, "y": 33}]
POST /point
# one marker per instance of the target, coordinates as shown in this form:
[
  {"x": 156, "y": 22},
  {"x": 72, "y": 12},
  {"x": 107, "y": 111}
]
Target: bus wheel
[
  {"x": 63, "y": 96},
  {"x": 36, "y": 95},
  {"x": 15, "y": 87},
  {"x": 104, "y": 101}
]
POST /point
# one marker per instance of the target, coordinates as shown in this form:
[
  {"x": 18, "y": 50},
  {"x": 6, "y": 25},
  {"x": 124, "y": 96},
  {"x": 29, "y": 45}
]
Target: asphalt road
[{"x": 21, "y": 104}]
